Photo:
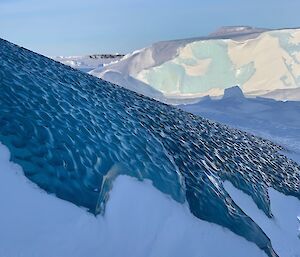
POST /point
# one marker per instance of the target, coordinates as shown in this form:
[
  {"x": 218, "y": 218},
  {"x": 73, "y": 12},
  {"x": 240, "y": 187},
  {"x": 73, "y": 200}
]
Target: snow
[
  {"x": 292, "y": 94},
  {"x": 275, "y": 120},
  {"x": 122, "y": 133},
  {"x": 236, "y": 30},
  {"x": 139, "y": 221},
  {"x": 278, "y": 121},
  {"x": 282, "y": 229},
  {"x": 133, "y": 84},
  {"x": 87, "y": 63},
  {"x": 261, "y": 61},
  {"x": 299, "y": 226}
]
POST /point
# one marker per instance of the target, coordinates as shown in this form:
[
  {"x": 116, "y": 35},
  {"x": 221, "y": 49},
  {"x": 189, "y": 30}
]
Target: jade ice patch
[{"x": 175, "y": 77}]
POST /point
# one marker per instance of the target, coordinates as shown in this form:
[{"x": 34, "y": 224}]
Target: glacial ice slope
[
  {"x": 73, "y": 134},
  {"x": 139, "y": 221},
  {"x": 260, "y": 61}
]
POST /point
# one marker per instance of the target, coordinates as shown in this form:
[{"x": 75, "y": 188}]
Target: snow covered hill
[
  {"x": 97, "y": 62},
  {"x": 260, "y": 61},
  {"x": 133, "y": 163},
  {"x": 88, "y": 62}
]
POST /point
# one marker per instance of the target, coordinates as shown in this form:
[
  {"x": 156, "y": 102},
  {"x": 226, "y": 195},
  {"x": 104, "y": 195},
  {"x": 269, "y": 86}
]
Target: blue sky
[{"x": 75, "y": 27}]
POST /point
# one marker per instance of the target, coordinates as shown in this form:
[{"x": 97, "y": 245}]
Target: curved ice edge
[
  {"x": 139, "y": 221},
  {"x": 282, "y": 229}
]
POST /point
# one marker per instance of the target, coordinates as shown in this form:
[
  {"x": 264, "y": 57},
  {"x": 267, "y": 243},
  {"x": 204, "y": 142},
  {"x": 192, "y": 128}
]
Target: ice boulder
[{"x": 233, "y": 92}]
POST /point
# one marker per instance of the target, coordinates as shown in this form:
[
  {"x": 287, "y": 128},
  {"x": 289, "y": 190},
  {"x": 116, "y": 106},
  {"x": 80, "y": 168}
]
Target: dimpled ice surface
[{"x": 73, "y": 134}]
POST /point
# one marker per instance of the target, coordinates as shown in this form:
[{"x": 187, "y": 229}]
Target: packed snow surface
[
  {"x": 275, "y": 120},
  {"x": 282, "y": 228},
  {"x": 74, "y": 134}
]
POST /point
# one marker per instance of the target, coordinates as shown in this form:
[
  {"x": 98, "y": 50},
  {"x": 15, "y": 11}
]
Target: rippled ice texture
[
  {"x": 73, "y": 134},
  {"x": 139, "y": 221}
]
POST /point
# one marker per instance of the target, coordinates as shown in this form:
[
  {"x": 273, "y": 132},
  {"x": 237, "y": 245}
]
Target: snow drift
[
  {"x": 260, "y": 61},
  {"x": 139, "y": 221}
]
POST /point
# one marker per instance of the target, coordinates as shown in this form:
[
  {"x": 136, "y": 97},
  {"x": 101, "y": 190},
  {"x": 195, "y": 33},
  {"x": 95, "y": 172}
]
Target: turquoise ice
[
  {"x": 291, "y": 48},
  {"x": 171, "y": 76}
]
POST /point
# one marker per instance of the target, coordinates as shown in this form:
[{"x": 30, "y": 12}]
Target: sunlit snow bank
[
  {"x": 263, "y": 62},
  {"x": 139, "y": 221},
  {"x": 283, "y": 228}
]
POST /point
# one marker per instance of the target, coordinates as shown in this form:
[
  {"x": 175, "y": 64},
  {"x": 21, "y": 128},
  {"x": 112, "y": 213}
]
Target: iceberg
[{"x": 264, "y": 62}]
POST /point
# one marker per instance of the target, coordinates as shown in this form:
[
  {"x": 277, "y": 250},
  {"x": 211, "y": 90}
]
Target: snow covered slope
[
  {"x": 74, "y": 135},
  {"x": 260, "y": 61},
  {"x": 88, "y": 62},
  {"x": 275, "y": 120},
  {"x": 284, "y": 94},
  {"x": 139, "y": 221},
  {"x": 97, "y": 63}
]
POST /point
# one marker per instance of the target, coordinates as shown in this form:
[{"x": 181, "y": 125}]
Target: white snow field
[
  {"x": 278, "y": 121},
  {"x": 282, "y": 229},
  {"x": 262, "y": 61},
  {"x": 139, "y": 221}
]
